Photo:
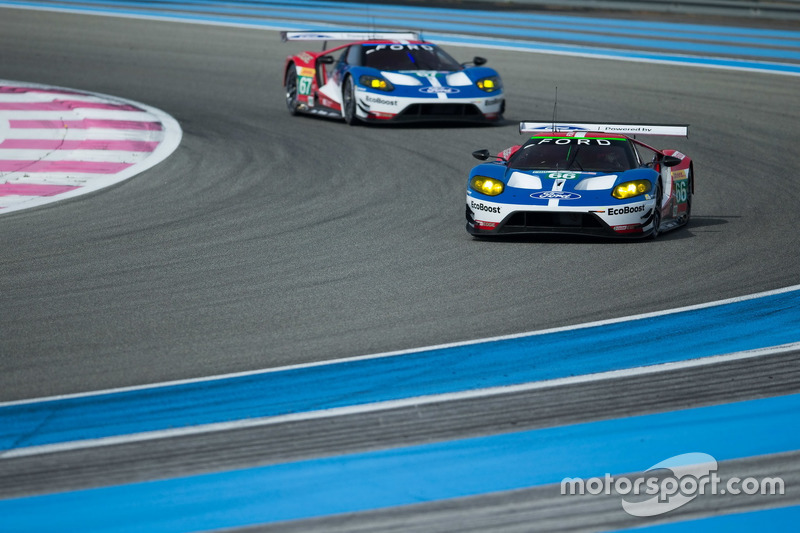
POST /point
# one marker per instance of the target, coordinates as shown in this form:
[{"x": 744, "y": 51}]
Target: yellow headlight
[
  {"x": 375, "y": 82},
  {"x": 487, "y": 186},
  {"x": 488, "y": 84},
  {"x": 630, "y": 189}
]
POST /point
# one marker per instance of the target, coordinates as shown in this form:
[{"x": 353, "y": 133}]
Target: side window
[
  {"x": 639, "y": 161},
  {"x": 354, "y": 55}
]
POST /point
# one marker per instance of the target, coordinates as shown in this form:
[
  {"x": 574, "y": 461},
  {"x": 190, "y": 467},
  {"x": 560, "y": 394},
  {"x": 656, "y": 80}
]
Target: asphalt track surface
[{"x": 268, "y": 240}]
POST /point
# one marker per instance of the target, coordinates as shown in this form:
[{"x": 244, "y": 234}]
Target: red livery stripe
[
  {"x": 62, "y": 105},
  {"x": 84, "y": 167},
  {"x": 22, "y": 90},
  {"x": 28, "y": 189},
  {"x": 87, "y": 144},
  {"x": 85, "y": 124}
]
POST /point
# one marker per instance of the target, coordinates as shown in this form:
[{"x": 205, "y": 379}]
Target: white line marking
[
  {"x": 536, "y": 47},
  {"x": 407, "y": 351},
  {"x": 97, "y": 156},
  {"x": 395, "y": 404}
]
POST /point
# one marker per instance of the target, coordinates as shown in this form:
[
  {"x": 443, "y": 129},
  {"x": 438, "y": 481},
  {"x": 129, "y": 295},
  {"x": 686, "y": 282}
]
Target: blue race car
[
  {"x": 589, "y": 179},
  {"x": 388, "y": 76}
]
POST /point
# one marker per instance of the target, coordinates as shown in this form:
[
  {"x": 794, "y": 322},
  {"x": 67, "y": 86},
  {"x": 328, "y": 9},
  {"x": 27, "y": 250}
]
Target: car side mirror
[
  {"x": 483, "y": 155},
  {"x": 478, "y": 61},
  {"x": 670, "y": 161},
  {"x": 326, "y": 60}
]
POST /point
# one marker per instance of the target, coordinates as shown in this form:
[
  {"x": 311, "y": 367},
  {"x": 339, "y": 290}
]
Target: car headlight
[
  {"x": 629, "y": 189},
  {"x": 490, "y": 84},
  {"x": 375, "y": 82},
  {"x": 487, "y": 186}
]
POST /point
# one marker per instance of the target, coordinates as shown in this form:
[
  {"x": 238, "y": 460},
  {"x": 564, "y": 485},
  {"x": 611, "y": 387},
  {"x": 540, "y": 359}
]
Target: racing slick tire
[
  {"x": 291, "y": 91},
  {"x": 349, "y": 102},
  {"x": 657, "y": 212},
  {"x": 689, "y": 193}
]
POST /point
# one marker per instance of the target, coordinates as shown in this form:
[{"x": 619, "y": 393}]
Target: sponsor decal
[
  {"x": 483, "y": 207},
  {"x": 482, "y": 224},
  {"x": 439, "y": 90},
  {"x": 379, "y": 100},
  {"x": 679, "y": 174},
  {"x": 305, "y": 71},
  {"x": 305, "y": 57},
  {"x": 562, "y": 175},
  {"x": 313, "y": 36},
  {"x": 400, "y": 46},
  {"x": 572, "y": 140},
  {"x": 493, "y": 101},
  {"x": 625, "y": 129},
  {"x": 626, "y": 210},
  {"x": 508, "y": 152},
  {"x": 629, "y": 228},
  {"x": 555, "y": 195}
]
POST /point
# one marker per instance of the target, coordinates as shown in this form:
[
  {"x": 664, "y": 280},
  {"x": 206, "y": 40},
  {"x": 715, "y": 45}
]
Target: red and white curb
[{"x": 58, "y": 143}]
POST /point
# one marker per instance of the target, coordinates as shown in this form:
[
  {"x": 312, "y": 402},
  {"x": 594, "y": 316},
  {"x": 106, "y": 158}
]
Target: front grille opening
[
  {"x": 544, "y": 220},
  {"x": 441, "y": 110}
]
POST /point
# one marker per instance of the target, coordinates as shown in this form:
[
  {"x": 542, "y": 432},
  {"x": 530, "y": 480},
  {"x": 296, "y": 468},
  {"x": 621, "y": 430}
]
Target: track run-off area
[
  {"x": 59, "y": 143},
  {"x": 284, "y": 326}
]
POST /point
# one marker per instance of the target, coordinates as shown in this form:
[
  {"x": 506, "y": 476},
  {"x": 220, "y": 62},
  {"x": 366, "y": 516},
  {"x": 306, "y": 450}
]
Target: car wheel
[
  {"x": 349, "y": 102},
  {"x": 657, "y": 212},
  {"x": 690, "y": 187},
  {"x": 291, "y": 91}
]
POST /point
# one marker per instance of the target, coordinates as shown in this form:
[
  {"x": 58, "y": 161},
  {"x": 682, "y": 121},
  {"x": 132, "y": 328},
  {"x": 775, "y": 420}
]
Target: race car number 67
[{"x": 304, "y": 85}]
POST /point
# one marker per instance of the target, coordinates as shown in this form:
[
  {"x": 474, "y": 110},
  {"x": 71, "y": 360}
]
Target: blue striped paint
[
  {"x": 487, "y": 18},
  {"x": 596, "y": 30},
  {"x": 631, "y": 55},
  {"x": 415, "y": 474},
  {"x": 666, "y": 37},
  {"x": 756, "y": 323},
  {"x": 782, "y": 519}
]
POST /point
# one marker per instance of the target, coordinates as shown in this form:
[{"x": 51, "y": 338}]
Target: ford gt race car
[
  {"x": 388, "y": 76},
  {"x": 590, "y": 179}
]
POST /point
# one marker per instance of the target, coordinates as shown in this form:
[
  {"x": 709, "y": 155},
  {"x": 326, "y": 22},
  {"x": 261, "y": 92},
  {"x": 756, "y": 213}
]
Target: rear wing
[
  {"x": 677, "y": 130},
  {"x": 349, "y": 35}
]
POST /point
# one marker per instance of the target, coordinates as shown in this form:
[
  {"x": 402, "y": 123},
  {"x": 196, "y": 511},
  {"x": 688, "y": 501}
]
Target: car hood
[
  {"x": 427, "y": 78},
  {"x": 539, "y": 187}
]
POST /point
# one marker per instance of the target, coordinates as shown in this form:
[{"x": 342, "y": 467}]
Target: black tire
[
  {"x": 291, "y": 91},
  {"x": 657, "y": 212},
  {"x": 690, "y": 187},
  {"x": 349, "y": 102}
]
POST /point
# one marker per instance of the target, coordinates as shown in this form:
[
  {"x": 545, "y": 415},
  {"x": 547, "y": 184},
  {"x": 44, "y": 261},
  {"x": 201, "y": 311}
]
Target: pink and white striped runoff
[{"x": 58, "y": 143}]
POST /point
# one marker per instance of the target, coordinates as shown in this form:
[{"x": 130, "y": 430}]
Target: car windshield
[
  {"x": 397, "y": 56},
  {"x": 574, "y": 153}
]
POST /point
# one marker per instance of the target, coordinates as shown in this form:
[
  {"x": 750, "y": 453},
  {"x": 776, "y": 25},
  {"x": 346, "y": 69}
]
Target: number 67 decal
[{"x": 304, "y": 85}]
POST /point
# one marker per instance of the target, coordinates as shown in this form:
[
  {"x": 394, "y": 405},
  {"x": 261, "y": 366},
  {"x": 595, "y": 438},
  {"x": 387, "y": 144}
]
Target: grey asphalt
[{"x": 267, "y": 240}]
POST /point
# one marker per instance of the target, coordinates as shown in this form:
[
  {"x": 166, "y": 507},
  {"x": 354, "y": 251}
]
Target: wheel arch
[{"x": 289, "y": 66}]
